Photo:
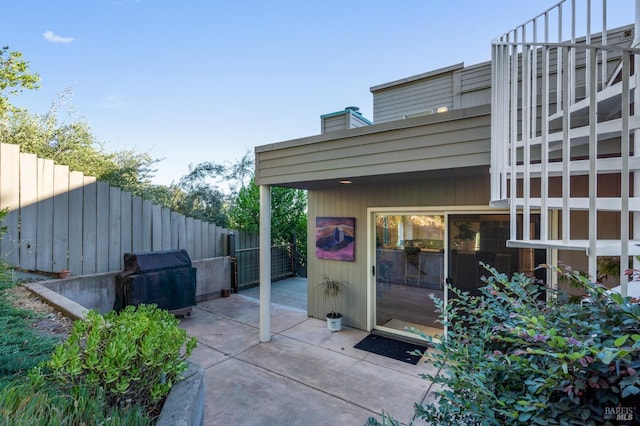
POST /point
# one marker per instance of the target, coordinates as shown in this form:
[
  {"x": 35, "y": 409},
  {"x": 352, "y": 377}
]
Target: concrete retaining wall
[
  {"x": 184, "y": 405},
  {"x": 212, "y": 276},
  {"x": 98, "y": 291}
]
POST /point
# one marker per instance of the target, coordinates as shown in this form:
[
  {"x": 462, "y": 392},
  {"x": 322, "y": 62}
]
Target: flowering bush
[{"x": 514, "y": 356}]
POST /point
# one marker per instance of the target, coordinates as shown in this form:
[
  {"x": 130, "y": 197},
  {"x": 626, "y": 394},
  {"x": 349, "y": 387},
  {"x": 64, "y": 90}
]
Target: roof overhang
[{"x": 446, "y": 144}]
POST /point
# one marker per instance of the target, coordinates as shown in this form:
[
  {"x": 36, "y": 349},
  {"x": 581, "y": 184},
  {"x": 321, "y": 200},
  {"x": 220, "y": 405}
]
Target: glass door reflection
[{"x": 409, "y": 269}]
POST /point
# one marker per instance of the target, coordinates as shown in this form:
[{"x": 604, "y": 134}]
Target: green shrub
[
  {"x": 131, "y": 357},
  {"x": 510, "y": 357}
]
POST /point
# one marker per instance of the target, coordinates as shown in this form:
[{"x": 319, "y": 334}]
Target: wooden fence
[{"x": 60, "y": 219}]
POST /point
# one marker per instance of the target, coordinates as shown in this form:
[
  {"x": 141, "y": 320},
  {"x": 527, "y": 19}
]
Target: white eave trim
[{"x": 604, "y": 247}]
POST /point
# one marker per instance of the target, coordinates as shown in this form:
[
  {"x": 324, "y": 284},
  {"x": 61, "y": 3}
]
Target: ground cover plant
[
  {"x": 21, "y": 347},
  {"x": 513, "y": 357},
  {"x": 112, "y": 370}
]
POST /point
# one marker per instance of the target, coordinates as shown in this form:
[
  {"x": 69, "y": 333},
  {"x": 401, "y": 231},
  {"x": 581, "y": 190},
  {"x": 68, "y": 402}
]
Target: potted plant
[{"x": 331, "y": 289}]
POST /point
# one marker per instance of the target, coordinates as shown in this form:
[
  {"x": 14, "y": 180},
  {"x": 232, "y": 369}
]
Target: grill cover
[
  {"x": 165, "y": 278},
  {"x": 137, "y": 263}
]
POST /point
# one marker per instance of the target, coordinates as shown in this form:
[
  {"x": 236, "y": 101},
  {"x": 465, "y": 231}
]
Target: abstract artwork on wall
[{"x": 335, "y": 238}]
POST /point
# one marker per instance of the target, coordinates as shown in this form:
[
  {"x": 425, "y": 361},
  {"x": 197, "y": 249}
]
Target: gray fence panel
[
  {"x": 215, "y": 232},
  {"x": 76, "y": 202},
  {"x": 174, "y": 229},
  {"x": 28, "y": 210},
  {"x": 126, "y": 229},
  {"x": 44, "y": 230},
  {"x": 64, "y": 220},
  {"x": 221, "y": 244},
  {"x": 102, "y": 224},
  {"x": 115, "y": 228},
  {"x": 136, "y": 225},
  {"x": 60, "y": 218},
  {"x": 10, "y": 199},
  {"x": 246, "y": 240},
  {"x": 146, "y": 226},
  {"x": 214, "y": 244},
  {"x": 89, "y": 226},
  {"x": 182, "y": 232},
  {"x": 211, "y": 240},
  {"x": 197, "y": 239},
  {"x": 189, "y": 229},
  {"x": 156, "y": 226},
  {"x": 166, "y": 229}
]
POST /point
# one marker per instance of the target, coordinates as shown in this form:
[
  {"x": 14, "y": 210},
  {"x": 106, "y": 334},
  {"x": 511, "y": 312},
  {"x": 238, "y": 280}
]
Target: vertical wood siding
[
  {"x": 60, "y": 219},
  {"x": 353, "y": 201}
]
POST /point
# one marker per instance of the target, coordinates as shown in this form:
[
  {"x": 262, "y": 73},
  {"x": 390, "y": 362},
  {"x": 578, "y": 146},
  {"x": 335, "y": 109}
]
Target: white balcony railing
[{"x": 564, "y": 129}]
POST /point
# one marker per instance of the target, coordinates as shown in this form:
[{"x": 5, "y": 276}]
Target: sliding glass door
[
  {"x": 415, "y": 254},
  {"x": 409, "y": 269},
  {"x": 476, "y": 239}
]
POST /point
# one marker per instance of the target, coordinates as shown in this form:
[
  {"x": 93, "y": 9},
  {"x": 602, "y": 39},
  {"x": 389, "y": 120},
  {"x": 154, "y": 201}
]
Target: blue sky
[{"x": 206, "y": 80}]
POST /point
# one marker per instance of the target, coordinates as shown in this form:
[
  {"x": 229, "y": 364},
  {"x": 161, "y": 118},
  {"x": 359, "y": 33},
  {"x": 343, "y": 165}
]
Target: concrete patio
[{"x": 306, "y": 375}]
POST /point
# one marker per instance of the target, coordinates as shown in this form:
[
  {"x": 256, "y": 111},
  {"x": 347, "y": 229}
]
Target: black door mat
[{"x": 391, "y": 348}]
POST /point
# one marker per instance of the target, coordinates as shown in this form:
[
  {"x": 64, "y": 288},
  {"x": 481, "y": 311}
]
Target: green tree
[
  {"x": 14, "y": 77},
  {"x": 198, "y": 195},
  {"x": 72, "y": 144},
  {"x": 205, "y": 203},
  {"x": 244, "y": 214},
  {"x": 237, "y": 205},
  {"x": 288, "y": 214},
  {"x": 210, "y": 189}
]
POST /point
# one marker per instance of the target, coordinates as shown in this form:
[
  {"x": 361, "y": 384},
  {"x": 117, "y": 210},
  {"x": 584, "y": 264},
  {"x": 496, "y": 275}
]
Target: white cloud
[
  {"x": 54, "y": 38},
  {"x": 122, "y": 3},
  {"x": 114, "y": 101}
]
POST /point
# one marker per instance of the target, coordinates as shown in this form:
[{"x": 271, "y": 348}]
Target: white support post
[
  {"x": 265, "y": 263},
  {"x": 592, "y": 65},
  {"x": 625, "y": 173},
  {"x": 513, "y": 141},
  {"x": 552, "y": 254},
  {"x": 636, "y": 133},
  {"x": 566, "y": 146}
]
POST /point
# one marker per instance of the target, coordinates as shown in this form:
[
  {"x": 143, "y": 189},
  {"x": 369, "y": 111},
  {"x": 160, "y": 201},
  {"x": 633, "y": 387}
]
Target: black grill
[{"x": 165, "y": 278}]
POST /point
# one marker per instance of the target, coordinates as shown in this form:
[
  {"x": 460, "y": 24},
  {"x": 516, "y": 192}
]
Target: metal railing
[
  {"x": 285, "y": 262},
  {"x": 562, "y": 128}
]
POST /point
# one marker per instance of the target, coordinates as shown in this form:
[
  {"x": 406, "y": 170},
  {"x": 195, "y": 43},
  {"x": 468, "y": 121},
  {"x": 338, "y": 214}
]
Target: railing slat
[{"x": 565, "y": 132}]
